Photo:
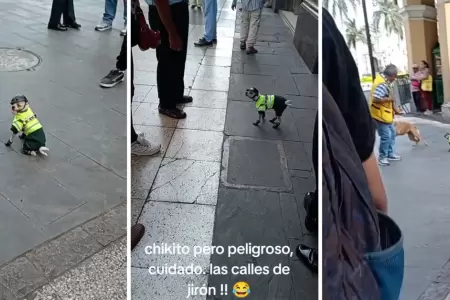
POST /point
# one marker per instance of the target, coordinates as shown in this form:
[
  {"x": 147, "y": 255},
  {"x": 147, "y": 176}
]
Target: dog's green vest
[
  {"x": 265, "y": 102},
  {"x": 26, "y": 122}
]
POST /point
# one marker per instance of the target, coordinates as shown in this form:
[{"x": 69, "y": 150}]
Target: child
[{"x": 250, "y": 21}]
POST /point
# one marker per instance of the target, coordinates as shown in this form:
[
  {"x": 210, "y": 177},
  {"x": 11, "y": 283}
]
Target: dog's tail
[
  {"x": 43, "y": 151},
  {"x": 288, "y": 102}
]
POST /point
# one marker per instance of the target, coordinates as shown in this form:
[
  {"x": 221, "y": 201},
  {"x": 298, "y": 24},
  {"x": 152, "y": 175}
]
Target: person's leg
[
  {"x": 245, "y": 23},
  {"x": 170, "y": 69},
  {"x": 416, "y": 98},
  {"x": 117, "y": 75},
  {"x": 69, "y": 15},
  {"x": 210, "y": 17},
  {"x": 55, "y": 15},
  {"x": 134, "y": 135},
  {"x": 110, "y": 11},
  {"x": 391, "y": 150},
  {"x": 385, "y": 140},
  {"x": 125, "y": 12},
  {"x": 429, "y": 100},
  {"x": 255, "y": 22}
]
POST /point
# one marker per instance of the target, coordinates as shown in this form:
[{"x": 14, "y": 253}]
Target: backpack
[{"x": 362, "y": 249}]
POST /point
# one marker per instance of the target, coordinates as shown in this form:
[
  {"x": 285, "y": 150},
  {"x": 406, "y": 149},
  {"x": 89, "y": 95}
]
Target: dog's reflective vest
[
  {"x": 26, "y": 122},
  {"x": 265, "y": 102},
  {"x": 383, "y": 112}
]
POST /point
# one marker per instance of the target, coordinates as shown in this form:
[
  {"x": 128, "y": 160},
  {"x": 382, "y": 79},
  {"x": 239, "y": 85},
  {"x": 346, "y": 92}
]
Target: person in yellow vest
[{"x": 382, "y": 109}]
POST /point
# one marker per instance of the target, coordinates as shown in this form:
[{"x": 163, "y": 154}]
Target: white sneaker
[
  {"x": 123, "y": 32},
  {"x": 383, "y": 162},
  {"x": 428, "y": 112},
  {"x": 103, "y": 26},
  {"x": 394, "y": 157},
  {"x": 143, "y": 147}
]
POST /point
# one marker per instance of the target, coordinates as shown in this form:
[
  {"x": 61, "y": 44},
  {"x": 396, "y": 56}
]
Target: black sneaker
[
  {"x": 114, "y": 77},
  {"x": 251, "y": 50},
  {"x": 203, "y": 43},
  {"x": 243, "y": 45},
  {"x": 309, "y": 255},
  {"x": 214, "y": 41}
]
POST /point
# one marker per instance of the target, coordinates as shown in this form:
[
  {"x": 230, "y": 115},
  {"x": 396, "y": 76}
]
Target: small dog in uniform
[
  {"x": 403, "y": 127},
  {"x": 25, "y": 121},
  {"x": 266, "y": 102}
]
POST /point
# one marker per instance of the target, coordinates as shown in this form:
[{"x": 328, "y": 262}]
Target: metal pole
[{"x": 369, "y": 42}]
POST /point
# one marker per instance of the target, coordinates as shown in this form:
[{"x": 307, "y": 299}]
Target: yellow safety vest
[
  {"x": 383, "y": 112},
  {"x": 427, "y": 84},
  {"x": 265, "y": 102},
  {"x": 26, "y": 122}
]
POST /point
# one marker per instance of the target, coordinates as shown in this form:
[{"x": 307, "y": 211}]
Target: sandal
[
  {"x": 174, "y": 113},
  {"x": 185, "y": 100}
]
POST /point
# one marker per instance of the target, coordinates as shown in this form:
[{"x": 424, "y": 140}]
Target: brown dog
[{"x": 403, "y": 127}]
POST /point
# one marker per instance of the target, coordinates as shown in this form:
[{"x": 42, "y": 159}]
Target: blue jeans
[
  {"x": 387, "y": 139},
  {"x": 110, "y": 11},
  {"x": 210, "y": 16}
]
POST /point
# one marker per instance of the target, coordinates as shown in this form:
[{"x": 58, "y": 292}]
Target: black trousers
[
  {"x": 64, "y": 8},
  {"x": 171, "y": 64},
  {"x": 121, "y": 63},
  {"x": 416, "y": 98}
]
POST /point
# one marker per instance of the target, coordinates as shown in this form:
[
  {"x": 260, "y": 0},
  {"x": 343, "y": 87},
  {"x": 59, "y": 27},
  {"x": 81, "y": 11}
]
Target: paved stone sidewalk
[
  {"x": 43, "y": 199},
  {"x": 219, "y": 179},
  {"x": 417, "y": 188}
]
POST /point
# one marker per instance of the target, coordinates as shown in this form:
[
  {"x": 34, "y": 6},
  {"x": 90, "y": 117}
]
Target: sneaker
[
  {"x": 123, "y": 32},
  {"x": 242, "y": 46},
  {"x": 394, "y": 157},
  {"x": 137, "y": 232},
  {"x": 103, "y": 26},
  {"x": 309, "y": 256},
  {"x": 203, "y": 43},
  {"x": 383, "y": 162},
  {"x": 142, "y": 147},
  {"x": 114, "y": 77},
  {"x": 428, "y": 112}
]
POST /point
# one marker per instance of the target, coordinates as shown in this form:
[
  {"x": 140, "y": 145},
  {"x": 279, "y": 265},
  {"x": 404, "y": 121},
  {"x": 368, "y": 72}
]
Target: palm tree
[
  {"x": 354, "y": 34},
  {"x": 388, "y": 12},
  {"x": 339, "y": 6}
]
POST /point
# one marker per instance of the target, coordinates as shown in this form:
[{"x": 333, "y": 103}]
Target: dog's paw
[
  {"x": 8, "y": 144},
  {"x": 276, "y": 126},
  {"x": 256, "y": 123},
  {"x": 22, "y": 136}
]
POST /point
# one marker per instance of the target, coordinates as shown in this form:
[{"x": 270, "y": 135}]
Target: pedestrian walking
[
  {"x": 382, "y": 109},
  {"x": 210, "y": 17},
  {"x": 67, "y": 10},
  {"x": 110, "y": 14},
  {"x": 250, "y": 22},
  {"x": 171, "y": 19}
]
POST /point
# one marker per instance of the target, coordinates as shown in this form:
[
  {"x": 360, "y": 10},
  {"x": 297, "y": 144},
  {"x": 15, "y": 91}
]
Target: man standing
[
  {"x": 171, "y": 18},
  {"x": 250, "y": 22},
  {"x": 210, "y": 17},
  {"x": 382, "y": 110},
  {"x": 110, "y": 14}
]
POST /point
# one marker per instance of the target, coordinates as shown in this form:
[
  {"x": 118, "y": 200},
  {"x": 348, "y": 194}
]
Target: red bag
[{"x": 147, "y": 38}]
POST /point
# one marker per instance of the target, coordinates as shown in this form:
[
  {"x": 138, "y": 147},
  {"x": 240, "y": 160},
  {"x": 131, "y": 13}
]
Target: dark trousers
[
  {"x": 416, "y": 98},
  {"x": 121, "y": 63},
  {"x": 134, "y": 135},
  {"x": 64, "y": 8},
  {"x": 313, "y": 209},
  {"x": 171, "y": 64}
]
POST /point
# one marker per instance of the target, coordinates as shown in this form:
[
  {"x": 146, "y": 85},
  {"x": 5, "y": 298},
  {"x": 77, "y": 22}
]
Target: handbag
[{"x": 148, "y": 38}]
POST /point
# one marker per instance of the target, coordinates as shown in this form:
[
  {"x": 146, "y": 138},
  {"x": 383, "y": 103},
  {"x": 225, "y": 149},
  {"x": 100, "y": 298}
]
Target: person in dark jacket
[{"x": 67, "y": 10}]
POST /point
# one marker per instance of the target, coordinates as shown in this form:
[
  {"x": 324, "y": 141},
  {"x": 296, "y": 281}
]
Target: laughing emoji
[{"x": 241, "y": 289}]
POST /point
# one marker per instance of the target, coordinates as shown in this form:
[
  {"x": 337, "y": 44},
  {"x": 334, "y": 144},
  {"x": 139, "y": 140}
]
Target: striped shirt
[
  {"x": 250, "y": 5},
  {"x": 383, "y": 90}
]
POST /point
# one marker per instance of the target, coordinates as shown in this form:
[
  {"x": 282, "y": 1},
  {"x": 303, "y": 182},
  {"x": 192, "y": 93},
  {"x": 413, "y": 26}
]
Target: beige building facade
[{"x": 424, "y": 19}]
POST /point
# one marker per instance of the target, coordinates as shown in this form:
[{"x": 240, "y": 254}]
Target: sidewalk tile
[
  {"x": 213, "y": 71},
  {"x": 110, "y": 226},
  {"x": 184, "y": 224},
  {"x": 5, "y": 294},
  {"x": 143, "y": 172},
  {"x": 148, "y": 114},
  {"x": 103, "y": 276},
  {"x": 307, "y": 283},
  {"x": 141, "y": 91},
  {"x": 304, "y": 102},
  {"x": 291, "y": 220},
  {"x": 44, "y": 293},
  {"x": 64, "y": 252},
  {"x": 197, "y": 145},
  {"x": 307, "y": 84},
  {"x": 216, "y": 61},
  {"x": 211, "y": 83},
  {"x": 203, "y": 119},
  {"x": 164, "y": 287},
  {"x": 266, "y": 70},
  {"x": 20, "y": 277},
  {"x": 208, "y": 99},
  {"x": 187, "y": 181},
  {"x": 296, "y": 156}
]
